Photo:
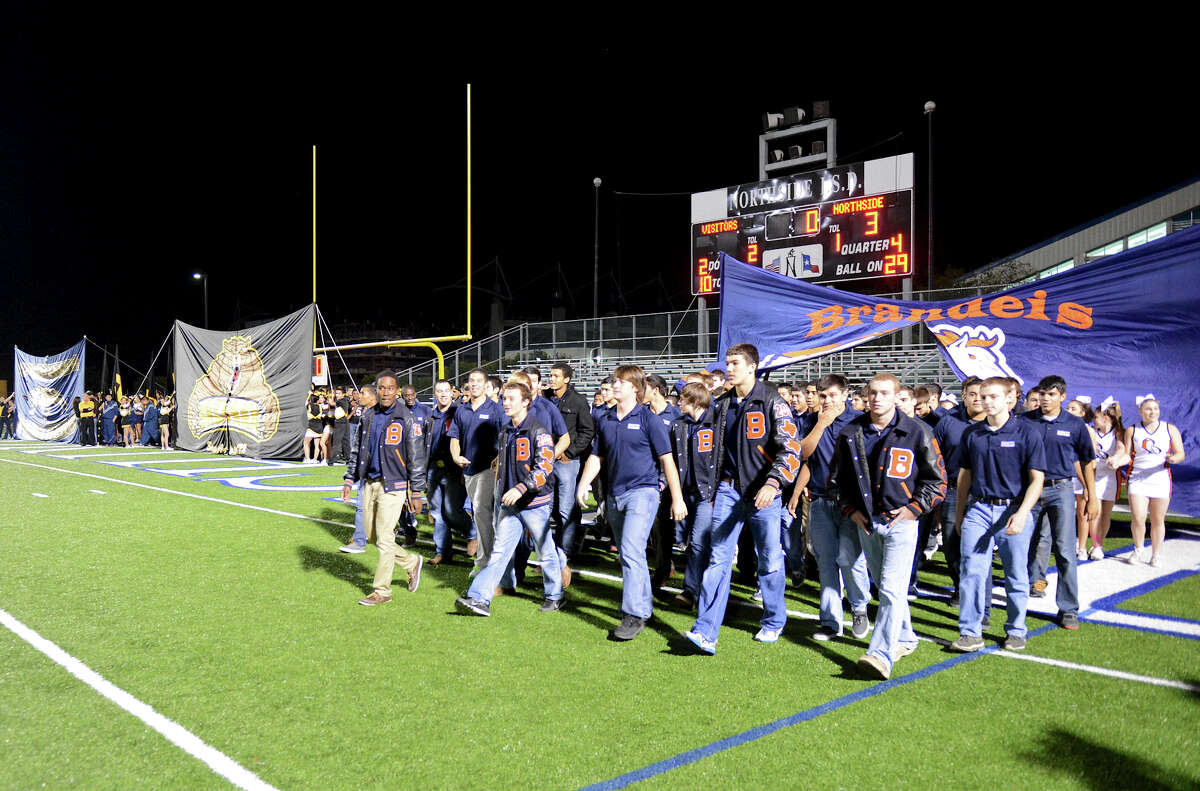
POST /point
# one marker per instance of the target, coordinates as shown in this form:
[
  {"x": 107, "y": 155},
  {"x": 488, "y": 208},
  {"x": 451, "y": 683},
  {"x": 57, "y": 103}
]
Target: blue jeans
[
  {"x": 1057, "y": 504},
  {"x": 889, "y": 550},
  {"x": 730, "y": 514},
  {"x": 360, "y": 533},
  {"x": 447, "y": 493},
  {"x": 566, "y": 474},
  {"x": 840, "y": 559},
  {"x": 631, "y": 516},
  {"x": 982, "y": 525},
  {"x": 699, "y": 525},
  {"x": 951, "y": 541},
  {"x": 511, "y": 526}
]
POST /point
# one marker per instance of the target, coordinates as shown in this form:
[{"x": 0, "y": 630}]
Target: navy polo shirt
[
  {"x": 1067, "y": 441},
  {"x": 439, "y": 437},
  {"x": 382, "y": 417},
  {"x": 820, "y": 463},
  {"x": 548, "y": 415},
  {"x": 597, "y": 411},
  {"x": 732, "y": 414},
  {"x": 998, "y": 459},
  {"x": 630, "y": 448},
  {"x": 420, "y": 411},
  {"x": 668, "y": 415},
  {"x": 476, "y": 431},
  {"x": 948, "y": 433}
]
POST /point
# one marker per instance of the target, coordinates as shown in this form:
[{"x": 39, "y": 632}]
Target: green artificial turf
[
  {"x": 1180, "y": 599},
  {"x": 242, "y": 626}
]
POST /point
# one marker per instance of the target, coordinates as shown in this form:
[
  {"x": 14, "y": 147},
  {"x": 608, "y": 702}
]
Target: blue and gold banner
[
  {"x": 1123, "y": 327},
  {"x": 46, "y": 388}
]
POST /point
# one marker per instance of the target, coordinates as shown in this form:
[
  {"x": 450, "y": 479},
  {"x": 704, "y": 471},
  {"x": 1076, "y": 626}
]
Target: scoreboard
[{"x": 829, "y": 227}]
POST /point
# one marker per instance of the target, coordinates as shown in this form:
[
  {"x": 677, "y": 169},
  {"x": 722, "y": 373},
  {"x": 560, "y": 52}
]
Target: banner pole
[{"x": 314, "y": 238}]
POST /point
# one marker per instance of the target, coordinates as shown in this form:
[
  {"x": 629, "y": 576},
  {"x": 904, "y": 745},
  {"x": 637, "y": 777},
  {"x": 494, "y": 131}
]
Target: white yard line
[
  {"x": 1101, "y": 671},
  {"x": 172, "y": 731}
]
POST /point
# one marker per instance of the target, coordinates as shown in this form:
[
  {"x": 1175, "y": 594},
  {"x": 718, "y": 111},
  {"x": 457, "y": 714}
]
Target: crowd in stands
[{"x": 853, "y": 488}]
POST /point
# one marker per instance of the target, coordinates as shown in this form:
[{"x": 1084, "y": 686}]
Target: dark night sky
[{"x": 123, "y": 171}]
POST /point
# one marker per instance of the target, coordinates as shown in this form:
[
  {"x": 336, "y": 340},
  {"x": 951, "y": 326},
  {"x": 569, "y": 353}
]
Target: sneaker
[
  {"x": 967, "y": 643},
  {"x": 1154, "y": 561},
  {"x": 630, "y": 627},
  {"x": 472, "y": 547},
  {"x": 904, "y": 649},
  {"x": 686, "y": 600},
  {"x": 414, "y": 576},
  {"x": 1134, "y": 556},
  {"x": 352, "y": 549},
  {"x": 566, "y": 576},
  {"x": 860, "y": 625},
  {"x": 471, "y": 606},
  {"x": 1014, "y": 643},
  {"x": 373, "y": 599},
  {"x": 757, "y": 597},
  {"x": 703, "y": 643},
  {"x": 766, "y": 635},
  {"x": 874, "y": 666},
  {"x": 1038, "y": 589},
  {"x": 1069, "y": 620},
  {"x": 825, "y": 634},
  {"x": 1096, "y": 554},
  {"x": 551, "y": 605}
]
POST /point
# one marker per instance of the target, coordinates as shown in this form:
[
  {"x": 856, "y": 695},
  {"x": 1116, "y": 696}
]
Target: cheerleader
[
  {"x": 1111, "y": 455},
  {"x": 128, "y": 434},
  {"x": 1082, "y": 408},
  {"x": 1153, "y": 445},
  {"x": 165, "y": 407},
  {"x": 313, "y": 444}
]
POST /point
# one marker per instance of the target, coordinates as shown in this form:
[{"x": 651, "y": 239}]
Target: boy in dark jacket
[
  {"x": 692, "y": 441},
  {"x": 889, "y": 472},
  {"x": 525, "y": 459}
]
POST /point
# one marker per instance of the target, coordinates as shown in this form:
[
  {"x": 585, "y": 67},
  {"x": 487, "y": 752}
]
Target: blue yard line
[
  {"x": 1135, "y": 628},
  {"x": 1109, "y": 602},
  {"x": 692, "y": 756},
  {"x": 1156, "y": 616}
]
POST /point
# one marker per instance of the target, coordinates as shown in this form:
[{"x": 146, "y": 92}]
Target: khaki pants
[
  {"x": 381, "y": 511},
  {"x": 481, "y": 490}
]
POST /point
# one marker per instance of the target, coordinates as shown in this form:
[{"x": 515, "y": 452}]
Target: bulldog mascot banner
[
  {"x": 1123, "y": 328},
  {"x": 45, "y": 389},
  {"x": 244, "y": 392}
]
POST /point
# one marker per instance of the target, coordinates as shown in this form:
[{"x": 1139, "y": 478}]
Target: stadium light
[
  {"x": 794, "y": 152},
  {"x": 203, "y": 276},
  {"x": 772, "y": 121},
  {"x": 794, "y": 116}
]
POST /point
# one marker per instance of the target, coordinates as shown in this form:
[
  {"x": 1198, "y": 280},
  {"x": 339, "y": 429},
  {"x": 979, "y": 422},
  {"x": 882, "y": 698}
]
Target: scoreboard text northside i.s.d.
[{"x": 849, "y": 226}]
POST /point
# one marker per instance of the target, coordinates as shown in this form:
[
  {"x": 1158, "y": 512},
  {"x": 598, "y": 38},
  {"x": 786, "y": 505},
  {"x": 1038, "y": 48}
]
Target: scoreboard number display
[{"x": 829, "y": 230}]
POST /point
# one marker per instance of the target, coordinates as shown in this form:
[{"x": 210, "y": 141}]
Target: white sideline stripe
[
  {"x": 1143, "y": 622},
  {"x": 96, "y": 491},
  {"x": 181, "y": 494},
  {"x": 39, "y": 494},
  {"x": 172, "y": 731},
  {"x": 1101, "y": 671}
]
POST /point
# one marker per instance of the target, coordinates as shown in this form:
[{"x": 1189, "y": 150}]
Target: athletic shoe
[
  {"x": 904, "y": 649},
  {"x": 874, "y": 666},
  {"x": 1134, "y": 556},
  {"x": 967, "y": 643},
  {"x": 352, "y": 549},
  {"x": 414, "y": 576},
  {"x": 373, "y": 599},
  {"x": 1069, "y": 620},
  {"x": 757, "y": 597},
  {"x": 436, "y": 560},
  {"x": 1096, "y": 554},
  {"x": 703, "y": 643},
  {"x": 471, "y": 606},
  {"x": 1154, "y": 561},
  {"x": 1014, "y": 643},
  {"x": 1038, "y": 589},
  {"x": 551, "y": 605},
  {"x": 766, "y": 635},
  {"x": 566, "y": 576},
  {"x": 824, "y": 634},
  {"x": 686, "y": 600},
  {"x": 860, "y": 625},
  {"x": 1081, "y": 554},
  {"x": 630, "y": 627},
  {"x": 472, "y": 546}
]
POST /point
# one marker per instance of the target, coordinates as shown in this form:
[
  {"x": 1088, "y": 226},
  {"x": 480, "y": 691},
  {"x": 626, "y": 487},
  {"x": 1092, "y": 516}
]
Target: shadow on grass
[
  {"x": 1100, "y": 766},
  {"x": 336, "y": 564}
]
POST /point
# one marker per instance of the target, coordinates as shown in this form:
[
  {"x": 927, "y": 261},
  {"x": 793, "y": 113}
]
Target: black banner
[{"x": 243, "y": 392}]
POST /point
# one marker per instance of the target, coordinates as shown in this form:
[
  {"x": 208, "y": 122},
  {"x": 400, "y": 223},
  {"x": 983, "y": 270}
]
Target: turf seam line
[
  {"x": 1102, "y": 671},
  {"x": 692, "y": 756},
  {"x": 176, "y": 734}
]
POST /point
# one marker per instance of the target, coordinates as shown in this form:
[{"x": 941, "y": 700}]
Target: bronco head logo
[
  {"x": 234, "y": 392},
  {"x": 976, "y": 351}
]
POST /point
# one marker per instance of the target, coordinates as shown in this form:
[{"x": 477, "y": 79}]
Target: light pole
[
  {"x": 596, "y": 252},
  {"x": 929, "y": 108},
  {"x": 204, "y": 277}
]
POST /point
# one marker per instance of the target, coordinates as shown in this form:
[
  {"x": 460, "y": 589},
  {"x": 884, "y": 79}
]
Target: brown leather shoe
[
  {"x": 504, "y": 591},
  {"x": 373, "y": 599},
  {"x": 436, "y": 560},
  {"x": 566, "y": 576}
]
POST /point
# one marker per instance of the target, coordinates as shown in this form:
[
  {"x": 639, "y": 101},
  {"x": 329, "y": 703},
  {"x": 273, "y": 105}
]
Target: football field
[{"x": 177, "y": 620}]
